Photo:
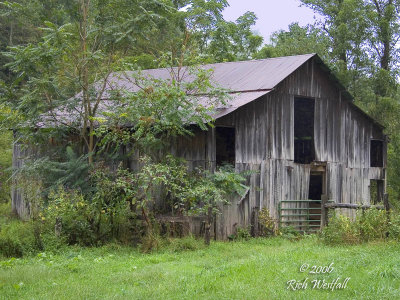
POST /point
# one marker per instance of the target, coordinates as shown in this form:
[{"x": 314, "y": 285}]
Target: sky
[{"x": 273, "y": 15}]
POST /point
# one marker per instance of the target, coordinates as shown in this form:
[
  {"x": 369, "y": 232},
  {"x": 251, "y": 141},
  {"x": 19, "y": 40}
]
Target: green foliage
[
  {"x": 151, "y": 242},
  {"x": 90, "y": 219},
  {"x": 268, "y": 224},
  {"x": 340, "y": 230},
  {"x": 5, "y": 165},
  {"x": 232, "y": 41},
  {"x": 187, "y": 243},
  {"x": 65, "y": 169},
  {"x": 159, "y": 111},
  {"x": 297, "y": 40},
  {"x": 372, "y": 224},
  {"x": 209, "y": 190},
  {"x": 290, "y": 233},
  {"x": 242, "y": 234},
  {"x": 394, "y": 226},
  {"x": 18, "y": 239},
  {"x": 79, "y": 219}
]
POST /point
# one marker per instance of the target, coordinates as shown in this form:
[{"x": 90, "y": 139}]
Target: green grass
[{"x": 256, "y": 269}]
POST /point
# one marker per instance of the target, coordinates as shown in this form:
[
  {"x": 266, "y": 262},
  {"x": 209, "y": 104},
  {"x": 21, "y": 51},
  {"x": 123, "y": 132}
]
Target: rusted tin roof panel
[
  {"x": 245, "y": 80},
  {"x": 252, "y": 75}
]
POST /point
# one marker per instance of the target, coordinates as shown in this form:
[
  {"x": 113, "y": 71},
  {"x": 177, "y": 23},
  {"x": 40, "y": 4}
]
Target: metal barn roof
[
  {"x": 240, "y": 76},
  {"x": 245, "y": 80}
]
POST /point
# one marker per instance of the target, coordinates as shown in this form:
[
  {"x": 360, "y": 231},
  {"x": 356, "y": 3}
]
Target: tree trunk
[
  {"x": 91, "y": 143},
  {"x": 87, "y": 122},
  {"x": 149, "y": 227},
  {"x": 207, "y": 234},
  {"x": 385, "y": 17}
]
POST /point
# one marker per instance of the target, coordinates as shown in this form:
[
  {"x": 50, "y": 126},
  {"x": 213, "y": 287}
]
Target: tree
[
  {"x": 72, "y": 57},
  {"x": 232, "y": 41},
  {"x": 297, "y": 40},
  {"x": 384, "y": 30}
]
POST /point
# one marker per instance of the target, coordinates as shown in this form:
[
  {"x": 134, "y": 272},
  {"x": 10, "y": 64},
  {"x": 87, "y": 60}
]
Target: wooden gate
[{"x": 303, "y": 215}]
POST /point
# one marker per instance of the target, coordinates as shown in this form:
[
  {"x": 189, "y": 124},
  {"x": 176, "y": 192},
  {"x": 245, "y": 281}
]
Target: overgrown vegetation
[
  {"x": 369, "y": 225},
  {"x": 5, "y": 165}
]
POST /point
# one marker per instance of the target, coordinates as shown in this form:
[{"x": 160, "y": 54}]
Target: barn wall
[{"x": 265, "y": 143}]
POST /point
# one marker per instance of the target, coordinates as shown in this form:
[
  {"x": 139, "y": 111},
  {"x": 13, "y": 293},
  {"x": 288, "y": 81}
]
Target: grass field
[{"x": 255, "y": 269}]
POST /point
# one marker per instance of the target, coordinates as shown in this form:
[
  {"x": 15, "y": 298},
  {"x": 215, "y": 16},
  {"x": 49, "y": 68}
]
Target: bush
[
  {"x": 242, "y": 233},
  {"x": 18, "y": 239},
  {"x": 6, "y": 138},
  {"x": 267, "y": 223},
  {"x": 290, "y": 233},
  {"x": 394, "y": 227},
  {"x": 86, "y": 222},
  {"x": 5, "y": 213},
  {"x": 372, "y": 224},
  {"x": 340, "y": 230},
  {"x": 74, "y": 216},
  {"x": 151, "y": 241}
]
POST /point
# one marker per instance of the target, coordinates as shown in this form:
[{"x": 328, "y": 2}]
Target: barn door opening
[
  {"x": 225, "y": 145},
  {"x": 304, "y": 130},
  {"x": 376, "y": 191},
  {"x": 315, "y": 192}
]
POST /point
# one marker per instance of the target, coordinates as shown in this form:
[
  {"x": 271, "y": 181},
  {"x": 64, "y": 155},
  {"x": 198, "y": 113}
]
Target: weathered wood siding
[
  {"x": 265, "y": 143},
  {"x": 18, "y": 204}
]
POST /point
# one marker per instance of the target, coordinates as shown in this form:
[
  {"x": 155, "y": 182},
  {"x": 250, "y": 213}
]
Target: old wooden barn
[{"x": 294, "y": 124}]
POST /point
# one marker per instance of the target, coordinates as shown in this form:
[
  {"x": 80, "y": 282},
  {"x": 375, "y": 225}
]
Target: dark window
[
  {"x": 304, "y": 130},
  {"x": 225, "y": 145},
  {"x": 376, "y": 153},
  {"x": 376, "y": 191}
]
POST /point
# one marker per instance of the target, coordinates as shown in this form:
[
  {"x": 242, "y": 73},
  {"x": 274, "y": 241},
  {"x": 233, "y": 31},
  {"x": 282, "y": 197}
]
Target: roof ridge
[
  {"x": 260, "y": 59},
  {"x": 228, "y": 62}
]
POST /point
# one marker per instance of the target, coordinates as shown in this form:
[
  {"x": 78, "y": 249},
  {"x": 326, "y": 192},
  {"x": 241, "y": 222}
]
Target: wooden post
[
  {"x": 386, "y": 202},
  {"x": 207, "y": 235},
  {"x": 387, "y": 208},
  {"x": 254, "y": 222},
  {"x": 324, "y": 211}
]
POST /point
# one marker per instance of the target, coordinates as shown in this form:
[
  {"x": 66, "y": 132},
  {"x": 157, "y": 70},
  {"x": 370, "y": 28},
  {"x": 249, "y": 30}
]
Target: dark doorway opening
[
  {"x": 225, "y": 145},
  {"x": 316, "y": 187},
  {"x": 376, "y": 191},
  {"x": 315, "y": 192},
  {"x": 304, "y": 130},
  {"x": 376, "y": 153}
]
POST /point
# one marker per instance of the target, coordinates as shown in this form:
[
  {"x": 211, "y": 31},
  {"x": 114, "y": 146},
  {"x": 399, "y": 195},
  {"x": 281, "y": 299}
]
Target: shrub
[
  {"x": 290, "y": 233},
  {"x": 267, "y": 223},
  {"x": 340, "y": 230},
  {"x": 18, "y": 238},
  {"x": 372, "y": 224},
  {"x": 242, "y": 233},
  {"x": 394, "y": 227},
  {"x": 151, "y": 241},
  {"x": 5, "y": 212},
  {"x": 6, "y": 138},
  {"x": 75, "y": 215}
]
